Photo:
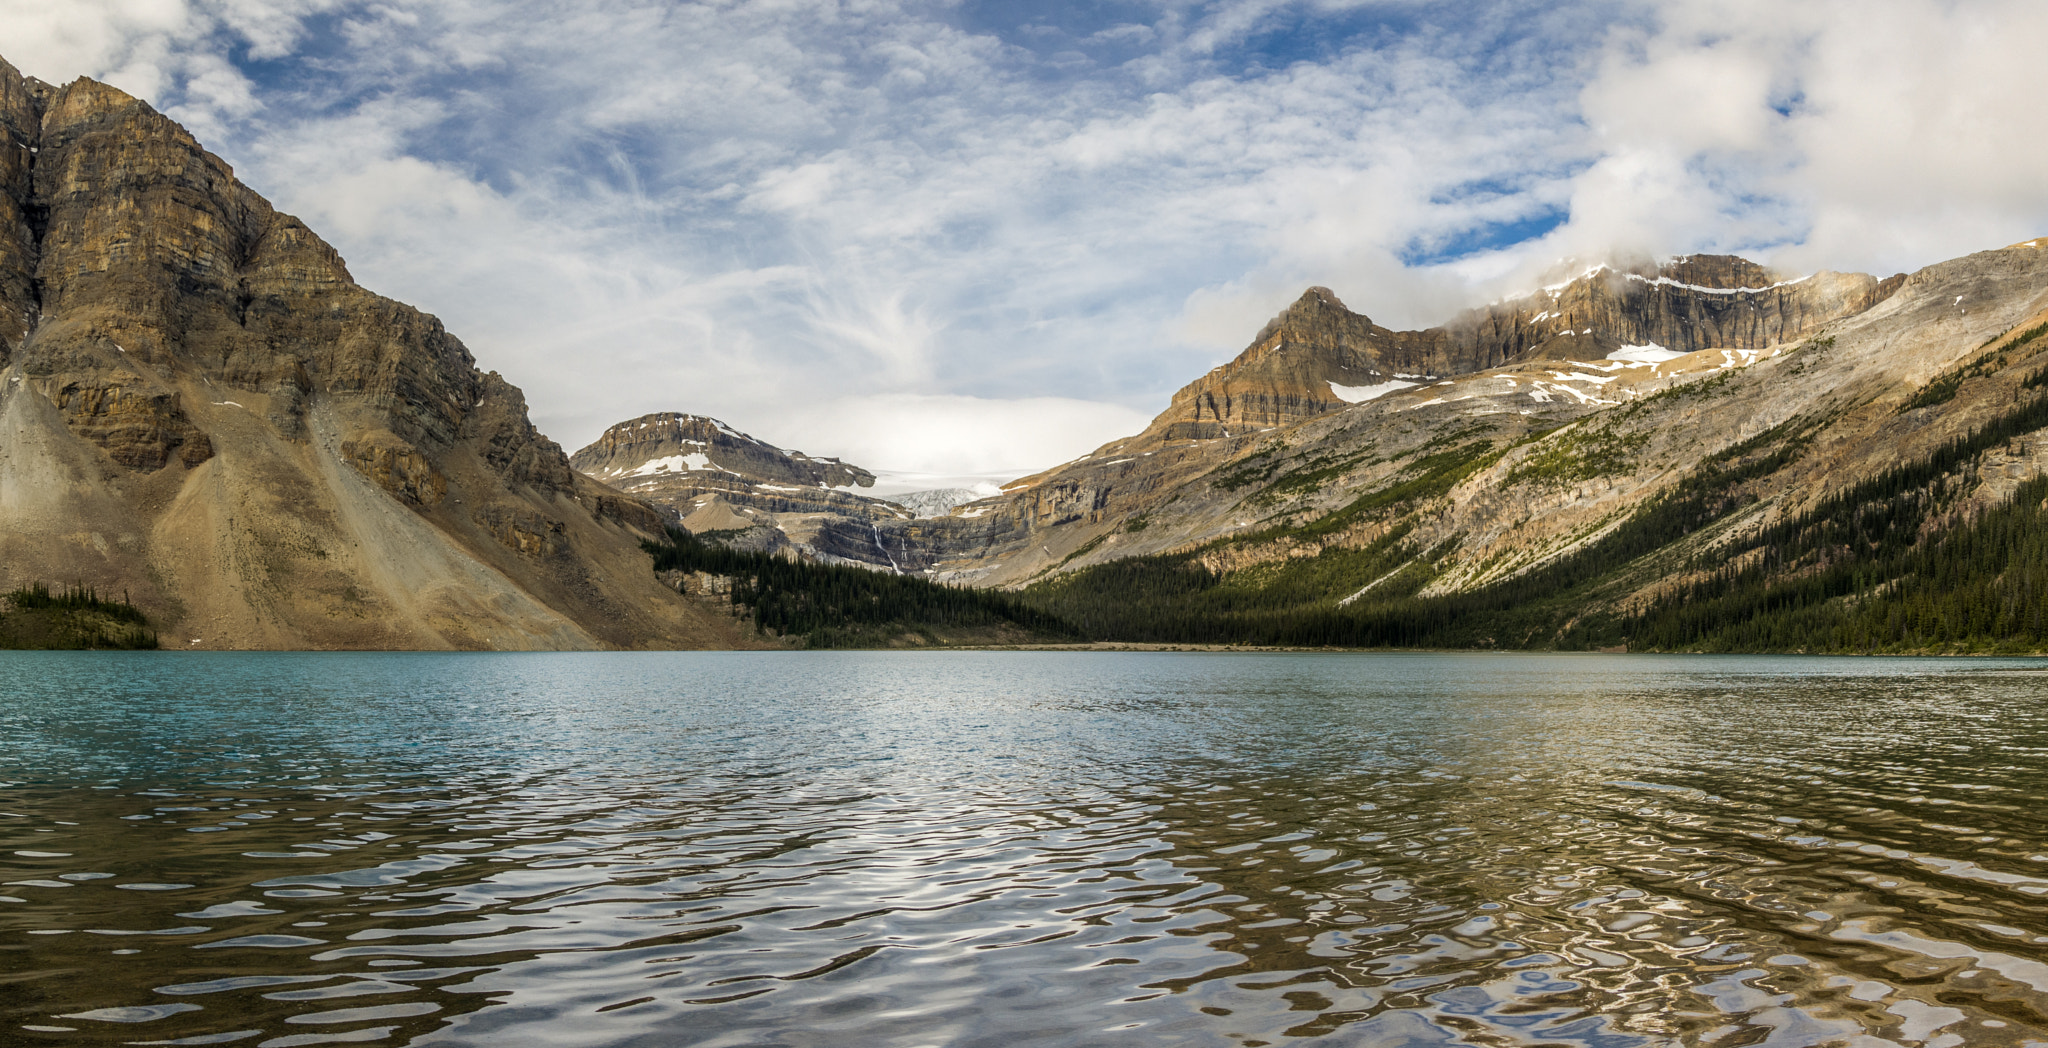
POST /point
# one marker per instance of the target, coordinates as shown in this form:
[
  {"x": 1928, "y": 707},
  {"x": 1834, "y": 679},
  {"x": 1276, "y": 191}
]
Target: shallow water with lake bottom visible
[{"x": 1021, "y": 849}]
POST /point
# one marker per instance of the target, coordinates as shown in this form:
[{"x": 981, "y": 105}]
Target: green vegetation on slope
[
  {"x": 36, "y": 619},
  {"x": 1891, "y": 564},
  {"x": 835, "y": 606},
  {"x": 1176, "y": 599},
  {"x": 1581, "y": 453},
  {"x": 1874, "y": 569}
]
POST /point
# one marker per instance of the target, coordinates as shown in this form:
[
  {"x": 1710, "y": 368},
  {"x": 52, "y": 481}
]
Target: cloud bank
[{"x": 975, "y": 238}]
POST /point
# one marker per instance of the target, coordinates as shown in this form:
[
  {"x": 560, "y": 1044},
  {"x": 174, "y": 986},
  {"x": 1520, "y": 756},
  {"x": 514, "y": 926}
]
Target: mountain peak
[
  {"x": 256, "y": 443},
  {"x": 1327, "y": 296},
  {"x": 671, "y": 442},
  {"x": 1726, "y": 272}
]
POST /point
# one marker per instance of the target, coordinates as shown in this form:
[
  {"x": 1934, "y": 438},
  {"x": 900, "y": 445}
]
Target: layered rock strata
[
  {"x": 200, "y": 408},
  {"x": 1318, "y": 355},
  {"x": 715, "y": 479}
]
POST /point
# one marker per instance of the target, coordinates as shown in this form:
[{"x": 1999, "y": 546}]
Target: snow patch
[
  {"x": 1668, "y": 282},
  {"x": 1361, "y": 394},
  {"x": 1542, "y": 393},
  {"x": 1555, "y": 288},
  {"x": 695, "y": 460},
  {"x": 1583, "y": 398},
  {"x": 1736, "y": 358},
  {"x": 1648, "y": 353}
]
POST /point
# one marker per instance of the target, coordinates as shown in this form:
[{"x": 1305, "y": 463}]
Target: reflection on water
[{"x": 1021, "y": 849}]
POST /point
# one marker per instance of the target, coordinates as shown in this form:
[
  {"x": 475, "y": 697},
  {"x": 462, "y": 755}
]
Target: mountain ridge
[
  {"x": 1318, "y": 358},
  {"x": 199, "y": 407},
  {"x": 1613, "y": 502}
]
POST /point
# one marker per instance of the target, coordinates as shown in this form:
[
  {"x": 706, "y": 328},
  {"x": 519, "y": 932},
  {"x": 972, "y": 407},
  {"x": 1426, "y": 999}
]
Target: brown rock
[
  {"x": 347, "y": 476},
  {"x": 713, "y": 478}
]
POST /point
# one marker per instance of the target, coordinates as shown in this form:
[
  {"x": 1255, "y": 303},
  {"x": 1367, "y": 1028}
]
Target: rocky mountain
[
  {"x": 1317, "y": 356},
  {"x": 1319, "y": 360},
  {"x": 1704, "y": 428},
  {"x": 201, "y": 409},
  {"x": 716, "y": 479},
  {"x": 1632, "y": 330},
  {"x": 202, "y": 412}
]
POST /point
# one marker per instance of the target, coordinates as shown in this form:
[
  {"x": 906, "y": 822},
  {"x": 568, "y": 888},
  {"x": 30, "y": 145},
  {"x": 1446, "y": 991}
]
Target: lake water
[{"x": 1021, "y": 849}]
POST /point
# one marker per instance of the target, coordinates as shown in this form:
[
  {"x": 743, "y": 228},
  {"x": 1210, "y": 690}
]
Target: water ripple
[{"x": 988, "y": 849}]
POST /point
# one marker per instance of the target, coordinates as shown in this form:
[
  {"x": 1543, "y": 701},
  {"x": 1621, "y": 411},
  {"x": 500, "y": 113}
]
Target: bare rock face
[
  {"x": 1288, "y": 371},
  {"x": 668, "y": 443},
  {"x": 201, "y": 408},
  {"x": 714, "y": 478},
  {"x": 1317, "y": 356},
  {"x": 1685, "y": 305}
]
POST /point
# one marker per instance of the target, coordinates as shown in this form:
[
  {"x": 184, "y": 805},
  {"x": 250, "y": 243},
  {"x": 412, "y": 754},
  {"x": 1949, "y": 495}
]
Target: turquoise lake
[{"x": 1022, "y": 849}]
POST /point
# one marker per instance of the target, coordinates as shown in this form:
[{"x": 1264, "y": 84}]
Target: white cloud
[
  {"x": 1849, "y": 135},
  {"x": 866, "y": 227},
  {"x": 948, "y": 436}
]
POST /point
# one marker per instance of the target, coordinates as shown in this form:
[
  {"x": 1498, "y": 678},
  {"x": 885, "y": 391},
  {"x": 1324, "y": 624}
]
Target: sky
[{"x": 964, "y": 239}]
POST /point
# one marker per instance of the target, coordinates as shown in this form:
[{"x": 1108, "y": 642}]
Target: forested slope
[{"x": 1875, "y": 488}]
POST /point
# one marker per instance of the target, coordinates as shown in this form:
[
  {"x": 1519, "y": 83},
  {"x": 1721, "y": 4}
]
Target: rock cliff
[
  {"x": 1317, "y": 355},
  {"x": 200, "y": 408},
  {"x": 714, "y": 478}
]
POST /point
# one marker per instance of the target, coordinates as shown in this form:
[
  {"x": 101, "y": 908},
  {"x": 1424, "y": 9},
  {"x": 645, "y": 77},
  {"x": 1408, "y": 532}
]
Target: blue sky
[{"x": 977, "y": 238}]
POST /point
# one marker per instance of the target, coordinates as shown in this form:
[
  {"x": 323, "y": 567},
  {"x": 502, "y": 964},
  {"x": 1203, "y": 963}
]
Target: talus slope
[{"x": 200, "y": 409}]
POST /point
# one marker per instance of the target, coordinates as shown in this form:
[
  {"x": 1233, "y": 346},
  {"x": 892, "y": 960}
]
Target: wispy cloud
[{"x": 912, "y": 229}]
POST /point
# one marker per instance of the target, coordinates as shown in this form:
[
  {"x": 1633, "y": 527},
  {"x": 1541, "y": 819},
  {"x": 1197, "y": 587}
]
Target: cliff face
[
  {"x": 1288, "y": 371},
  {"x": 1685, "y": 305},
  {"x": 717, "y": 479},
  {"x": 1317, "y": 355},
  {"x": 201, "y": 408},
  {"x": 670, "y": 444}
]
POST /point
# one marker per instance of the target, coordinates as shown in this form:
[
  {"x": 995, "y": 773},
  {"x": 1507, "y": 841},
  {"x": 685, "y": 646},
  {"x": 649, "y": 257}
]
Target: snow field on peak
[
  {"x": 695, "y": 460},
  {"x": 1361, "y": 394},
  {"x": 1668, "y": 282},
  {"x": 1648, "y": 353}
]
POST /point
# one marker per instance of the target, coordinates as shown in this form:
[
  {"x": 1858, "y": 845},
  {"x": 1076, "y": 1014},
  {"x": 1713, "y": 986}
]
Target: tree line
[{"x": 836, "y": 605}]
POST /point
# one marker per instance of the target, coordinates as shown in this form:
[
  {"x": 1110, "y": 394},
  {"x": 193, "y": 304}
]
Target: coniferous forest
[
  {"x": 834, "y": 605},
  {"x": 1896, "y": 563},
  {"x": 1902, "y": 561},
  {"x": 1892, "y": 564},
  {"x": 72, "y": 619}
]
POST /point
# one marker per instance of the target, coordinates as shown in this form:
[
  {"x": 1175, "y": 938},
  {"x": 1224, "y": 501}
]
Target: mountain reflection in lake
[{"x": 850, "y": 849}]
